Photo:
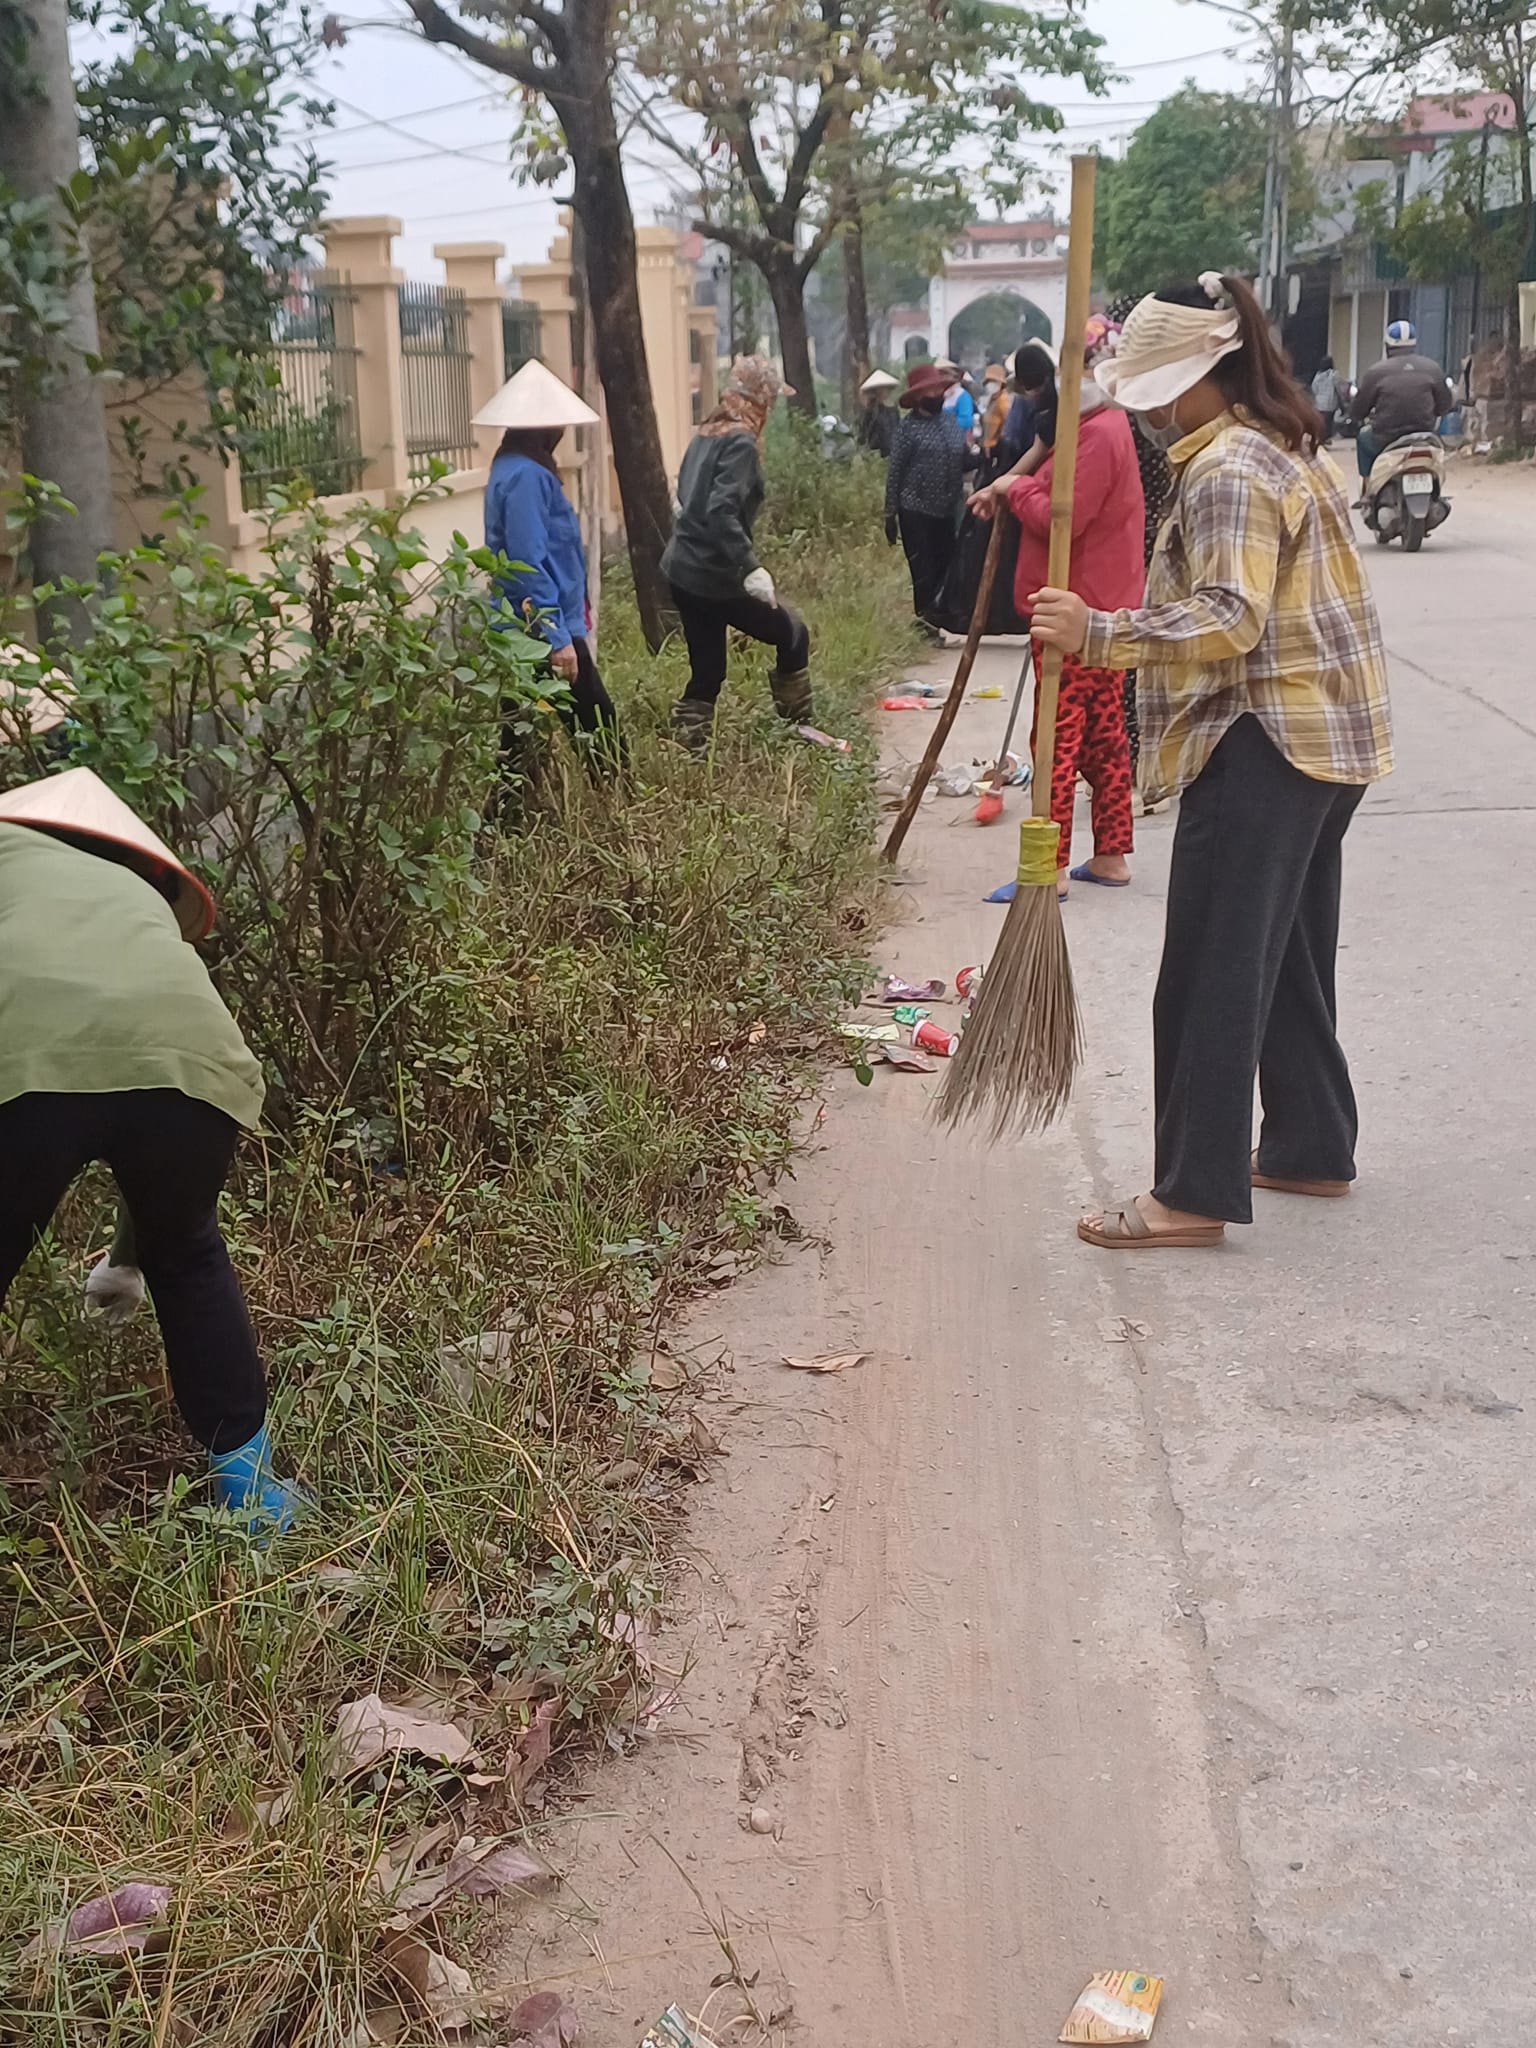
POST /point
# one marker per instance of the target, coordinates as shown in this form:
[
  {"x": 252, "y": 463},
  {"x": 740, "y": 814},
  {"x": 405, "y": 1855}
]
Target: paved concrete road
[
  {"x": 1347, "y": 1398},
  {"x": 1208, "y": 1652}
]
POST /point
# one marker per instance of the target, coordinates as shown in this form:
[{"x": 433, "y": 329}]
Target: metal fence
[
  {"x": 303, "y": 426},
  {"x": 519, "y": 334},
  {"x": 434, "y": 364}
]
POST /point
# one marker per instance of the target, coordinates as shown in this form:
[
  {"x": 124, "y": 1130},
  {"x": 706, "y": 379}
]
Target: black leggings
[
  {"x": 170, "y": 1156},
  {"x": 706, "y": 621},
  {"x": 928, "y": 541},
  {"x": 589, "y": 710}
]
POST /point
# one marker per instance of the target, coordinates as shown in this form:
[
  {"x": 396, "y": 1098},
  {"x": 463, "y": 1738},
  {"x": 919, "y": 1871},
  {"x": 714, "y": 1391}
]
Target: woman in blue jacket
[{"x": 530, "y": 521}]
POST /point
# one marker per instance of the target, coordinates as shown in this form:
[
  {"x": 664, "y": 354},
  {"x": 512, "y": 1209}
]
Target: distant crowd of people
[{"x": 1213, "y": 553}]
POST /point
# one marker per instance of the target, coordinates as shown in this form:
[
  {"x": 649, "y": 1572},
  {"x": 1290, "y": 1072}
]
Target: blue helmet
[{"x": 1402, "y": 334}]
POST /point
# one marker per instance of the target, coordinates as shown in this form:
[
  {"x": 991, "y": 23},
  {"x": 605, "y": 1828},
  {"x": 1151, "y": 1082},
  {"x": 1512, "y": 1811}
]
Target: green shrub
[{"x": 570, "y": 1082}]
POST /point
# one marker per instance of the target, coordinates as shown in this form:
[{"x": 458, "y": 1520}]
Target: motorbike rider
[{"x": 1405, "y": 393}]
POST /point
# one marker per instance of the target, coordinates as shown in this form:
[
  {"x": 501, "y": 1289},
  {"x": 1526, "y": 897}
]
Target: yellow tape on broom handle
[
  {"x": 1039, "y": 842},
  {"x": 1064, "y": 461}
]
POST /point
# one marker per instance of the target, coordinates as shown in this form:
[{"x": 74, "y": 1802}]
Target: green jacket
[
  {"x": 100, "y": 993},
  {"x": 719, "y": 495}
]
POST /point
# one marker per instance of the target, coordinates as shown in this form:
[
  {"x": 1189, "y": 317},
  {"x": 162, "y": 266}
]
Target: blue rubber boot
[{"x": 244, "y": 1481}]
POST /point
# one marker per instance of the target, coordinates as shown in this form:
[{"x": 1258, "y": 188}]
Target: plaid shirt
[{"x": 1256, "y": 601}]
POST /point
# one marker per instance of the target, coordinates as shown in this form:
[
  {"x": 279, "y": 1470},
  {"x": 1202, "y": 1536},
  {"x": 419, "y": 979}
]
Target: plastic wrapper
[{"x": 1117, "y": 2005}]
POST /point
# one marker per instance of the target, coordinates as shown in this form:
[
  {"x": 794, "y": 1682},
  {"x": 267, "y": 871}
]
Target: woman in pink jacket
[{"x": 1108, "y": 571}]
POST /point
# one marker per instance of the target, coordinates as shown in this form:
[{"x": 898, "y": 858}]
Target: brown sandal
[
  {"x": 1125, "y": 1229},
  {"x": 1324, "y": 1190}
]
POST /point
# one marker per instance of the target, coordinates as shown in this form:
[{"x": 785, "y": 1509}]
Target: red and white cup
[{"x": 931, "y": 1037}]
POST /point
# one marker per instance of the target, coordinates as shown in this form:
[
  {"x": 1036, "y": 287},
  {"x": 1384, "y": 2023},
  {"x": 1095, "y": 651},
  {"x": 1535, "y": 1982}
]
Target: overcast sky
[{"x": 421, "y": 133}]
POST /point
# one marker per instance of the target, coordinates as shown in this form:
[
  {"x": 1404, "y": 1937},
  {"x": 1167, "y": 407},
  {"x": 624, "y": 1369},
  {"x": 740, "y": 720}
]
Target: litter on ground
[{"x": 1117, "y": 2005}]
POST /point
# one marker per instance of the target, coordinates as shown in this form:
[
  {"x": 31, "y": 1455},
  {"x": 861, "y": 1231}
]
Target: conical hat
[
  {"x": 79, "y": 807},
  {"x": 535, "y": 397},
  {"x": 879, "y": 380}
]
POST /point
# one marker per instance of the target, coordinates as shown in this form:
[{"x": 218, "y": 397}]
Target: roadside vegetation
[{"x": 535, "y": 1083}]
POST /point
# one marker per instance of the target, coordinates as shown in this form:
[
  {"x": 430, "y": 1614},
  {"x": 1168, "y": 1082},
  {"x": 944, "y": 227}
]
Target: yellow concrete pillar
[
  {"x": 662, "y": 319},
  {"x": 357, "y": 257},
  {"x": 702, "y": 323},
  {"x": 470, "y": 267}
]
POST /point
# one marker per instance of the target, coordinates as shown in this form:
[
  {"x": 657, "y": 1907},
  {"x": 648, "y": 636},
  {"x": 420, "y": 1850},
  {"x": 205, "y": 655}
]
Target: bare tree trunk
[
  {"x": 64, "y": 424},
  {"x": 613, "y": 298},
  {"x": 858, "y": 302},
  {"x": 786, "y": 287}
]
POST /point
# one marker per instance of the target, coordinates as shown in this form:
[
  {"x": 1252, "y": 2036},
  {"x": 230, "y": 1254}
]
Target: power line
[
  {"x": 410, "y": 114},
  {"x": 430, "y": 147}
]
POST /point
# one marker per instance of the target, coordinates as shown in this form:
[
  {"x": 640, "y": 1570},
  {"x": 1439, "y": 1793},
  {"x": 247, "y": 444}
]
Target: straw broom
[{"x": 1020, "y": 1053}]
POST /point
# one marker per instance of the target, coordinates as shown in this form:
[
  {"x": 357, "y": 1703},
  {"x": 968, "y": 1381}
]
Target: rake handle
[
  {"x": 1069, "y": 404},
  {"x": 956, "y": 696}
]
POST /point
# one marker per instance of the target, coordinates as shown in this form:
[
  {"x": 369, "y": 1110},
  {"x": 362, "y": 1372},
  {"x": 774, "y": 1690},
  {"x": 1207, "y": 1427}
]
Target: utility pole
[{"x": 1275, "y": 235}]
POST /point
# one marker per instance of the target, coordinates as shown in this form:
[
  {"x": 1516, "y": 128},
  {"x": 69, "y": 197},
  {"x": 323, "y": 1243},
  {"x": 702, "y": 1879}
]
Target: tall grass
[{"x": 628, "y": 1007}]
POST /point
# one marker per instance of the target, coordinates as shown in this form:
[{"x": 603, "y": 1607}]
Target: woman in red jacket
[{"x": 1108, "y": 570}]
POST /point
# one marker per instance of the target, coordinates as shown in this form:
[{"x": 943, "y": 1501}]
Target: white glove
[
  {"x": 760, "y": 584},
  {"x": 116, "y": 1293}
]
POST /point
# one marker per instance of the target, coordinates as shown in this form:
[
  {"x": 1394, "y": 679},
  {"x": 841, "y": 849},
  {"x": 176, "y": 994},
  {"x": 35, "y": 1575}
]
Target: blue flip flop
[
  {"x": 1086, "y": 874},
  {"x": 1003, "y": 893}
]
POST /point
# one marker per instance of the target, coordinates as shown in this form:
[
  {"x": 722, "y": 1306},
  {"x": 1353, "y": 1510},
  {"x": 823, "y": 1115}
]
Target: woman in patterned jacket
[{"x": 1263, "y": 700}]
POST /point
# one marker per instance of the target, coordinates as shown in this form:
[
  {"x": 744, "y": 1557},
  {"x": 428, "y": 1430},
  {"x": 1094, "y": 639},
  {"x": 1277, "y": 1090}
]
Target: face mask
[{"x": 1164, "y": 437}]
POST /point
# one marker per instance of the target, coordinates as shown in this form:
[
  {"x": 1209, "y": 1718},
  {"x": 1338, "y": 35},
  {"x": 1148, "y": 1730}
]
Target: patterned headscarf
[
  {"x": 1101, "y": 338},
  {"x": 746, "y": 401}
]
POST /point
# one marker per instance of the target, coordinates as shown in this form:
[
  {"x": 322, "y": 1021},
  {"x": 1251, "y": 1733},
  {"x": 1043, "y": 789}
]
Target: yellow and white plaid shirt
[{"x": 1256, "y": 601}]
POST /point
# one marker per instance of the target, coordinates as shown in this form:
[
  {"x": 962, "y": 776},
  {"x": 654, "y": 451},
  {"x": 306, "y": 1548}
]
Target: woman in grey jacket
[{"x": 717, "y": 581}]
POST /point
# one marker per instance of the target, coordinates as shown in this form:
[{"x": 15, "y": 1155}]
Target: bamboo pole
[{"x": 1069, "y": 406}]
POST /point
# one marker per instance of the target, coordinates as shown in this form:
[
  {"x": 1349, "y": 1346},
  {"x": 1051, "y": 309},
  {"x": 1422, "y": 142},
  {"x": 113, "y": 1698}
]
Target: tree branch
[
  {"x": 819, "y": 244},
  {"x": 797, "y": 178},
  {"x": 755, "y": 247},
  {"x": 438, "y": 26}
]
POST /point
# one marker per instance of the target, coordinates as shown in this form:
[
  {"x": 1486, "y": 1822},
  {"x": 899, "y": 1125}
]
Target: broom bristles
[{"x": 1022, "y": 1047}]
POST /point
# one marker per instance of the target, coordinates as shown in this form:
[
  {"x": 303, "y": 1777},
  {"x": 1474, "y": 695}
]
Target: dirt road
[{"x": 1172, "y": 1614}]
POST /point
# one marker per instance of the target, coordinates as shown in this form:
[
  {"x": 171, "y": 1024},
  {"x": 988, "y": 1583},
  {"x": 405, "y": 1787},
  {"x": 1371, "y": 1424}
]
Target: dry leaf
[
  {"x": 624, "y": 1629},
  {"x": 666, "y": 1375},
  {"x": 380, "y": 2027},
  {"x": 828, "y": 1361},
  {"x": 433, "y": 1982},
  {"x": 401, "y": 1860},
  {"x": 477, "y": 1870},
  {"x": 118, "y": 1924},
  {"x": 546, "y": 2020},
  {"x": 533, "y": 1746},
  {"x": 1120, "y": 1329},
  {"x": 369, "y": 1729}
]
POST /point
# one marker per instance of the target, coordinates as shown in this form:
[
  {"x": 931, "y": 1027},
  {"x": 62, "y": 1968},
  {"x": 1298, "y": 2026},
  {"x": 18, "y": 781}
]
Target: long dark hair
[
  {"x": 1258, "y": 375},
  {"x": 1032, "y": 362},
  {"x": 537, "y": 443}
]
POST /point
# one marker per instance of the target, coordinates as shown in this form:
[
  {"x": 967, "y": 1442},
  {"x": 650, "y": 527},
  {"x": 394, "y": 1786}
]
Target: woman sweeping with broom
[{"x": 1263, "y": 699}]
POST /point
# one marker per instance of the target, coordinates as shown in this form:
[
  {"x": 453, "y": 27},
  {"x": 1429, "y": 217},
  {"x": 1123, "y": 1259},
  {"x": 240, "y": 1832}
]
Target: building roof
[
  {"x": 1443, "y": 113},
  {"x": 1007, "y": 230}
]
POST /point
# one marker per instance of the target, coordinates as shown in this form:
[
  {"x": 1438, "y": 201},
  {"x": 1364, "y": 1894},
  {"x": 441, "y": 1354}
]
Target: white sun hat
[
  {"x": 1165, "y": 350},
  {"x": 880, "y": 380},
  {"x": 30, "y": 709},
  {"x": 78, "y": 807},
  {"x": 535, "y": 397}
]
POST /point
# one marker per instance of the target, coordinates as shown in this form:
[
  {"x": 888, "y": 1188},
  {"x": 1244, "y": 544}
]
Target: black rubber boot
[
  {"x": 693, "y": 723},
  {"x": 792, "y": 695}
]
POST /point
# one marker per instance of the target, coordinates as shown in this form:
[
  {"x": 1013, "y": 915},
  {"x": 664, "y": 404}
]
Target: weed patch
[{"x": 535, "y": 1086}]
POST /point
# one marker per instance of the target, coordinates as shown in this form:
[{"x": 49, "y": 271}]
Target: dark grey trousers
[{"x": 1247, "y": 982}]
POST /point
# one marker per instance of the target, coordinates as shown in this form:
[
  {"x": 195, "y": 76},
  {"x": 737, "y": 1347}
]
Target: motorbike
[{"x": 1405, "y": 494}]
